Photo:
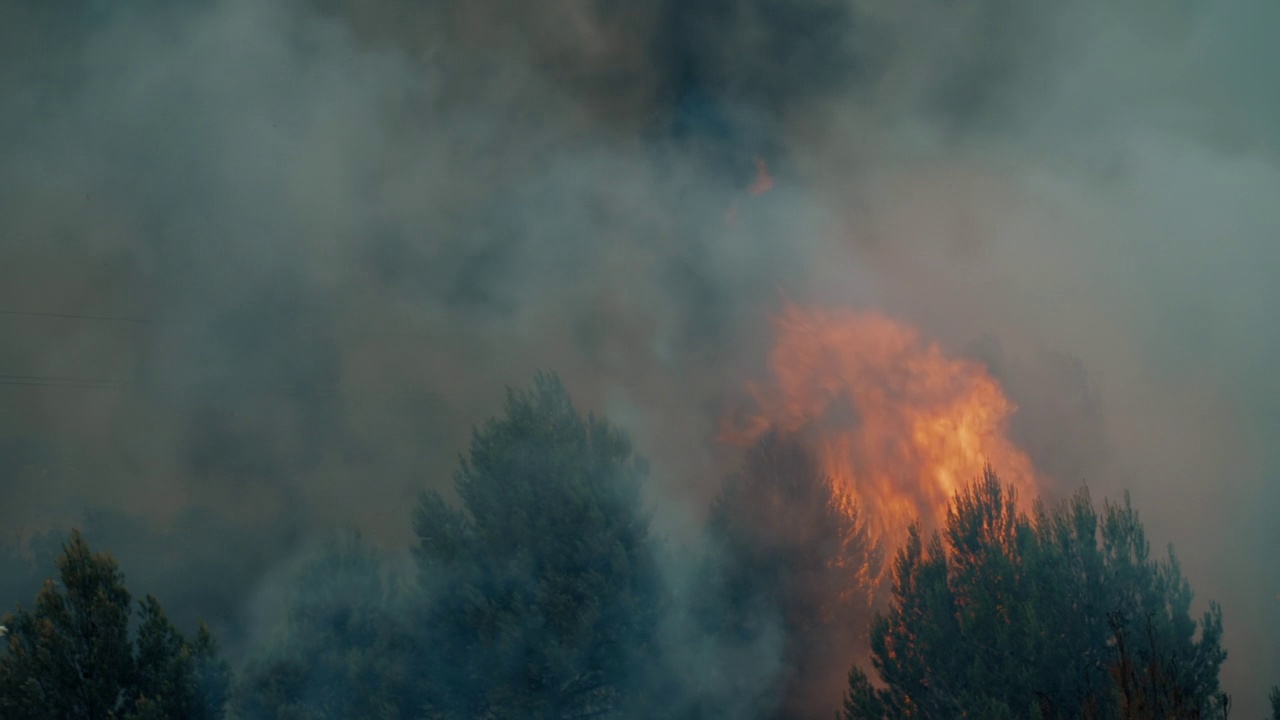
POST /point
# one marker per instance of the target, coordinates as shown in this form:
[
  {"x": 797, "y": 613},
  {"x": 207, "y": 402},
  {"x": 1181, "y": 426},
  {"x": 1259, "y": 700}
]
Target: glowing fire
[
  {"x": 762, "y": 184},
  {"x": 891, "y": 417}
]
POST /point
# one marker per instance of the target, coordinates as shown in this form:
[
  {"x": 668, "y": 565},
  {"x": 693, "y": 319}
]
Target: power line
[
  {"x": 23, "y": 383},
  {"x": 46, "y": 381},
  {"x": 50, "y": 381},
  {"x": 146, "y": 321},
  {"x": 69, "y": 316}
]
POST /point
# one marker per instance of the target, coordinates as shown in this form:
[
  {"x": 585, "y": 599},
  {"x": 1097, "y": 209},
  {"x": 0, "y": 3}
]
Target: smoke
[{"x": 328, "y": 233}]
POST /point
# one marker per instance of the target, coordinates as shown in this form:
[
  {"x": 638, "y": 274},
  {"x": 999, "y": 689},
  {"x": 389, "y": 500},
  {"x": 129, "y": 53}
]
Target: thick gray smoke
[{"x": 295, "y": 250}]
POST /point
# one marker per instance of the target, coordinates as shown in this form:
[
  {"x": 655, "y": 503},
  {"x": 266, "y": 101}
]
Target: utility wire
[
  {"x": 45, "y": 381},
  {"x": 69, "y": 316},
  {"x": 49, "y": 381},
  {"x": 146, "y": 321}
]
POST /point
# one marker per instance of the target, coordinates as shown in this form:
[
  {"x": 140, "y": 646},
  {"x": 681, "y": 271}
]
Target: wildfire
[
  {"x": 762, "y": 184},
  {"x": 891, "y": 417}
]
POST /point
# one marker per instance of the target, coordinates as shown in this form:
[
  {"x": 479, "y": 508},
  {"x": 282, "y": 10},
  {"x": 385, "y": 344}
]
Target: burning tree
[
  {"x": 793, "y": 554},
  {"x": 894, "y": 420},
  {"x": 1060, "y": 614}
]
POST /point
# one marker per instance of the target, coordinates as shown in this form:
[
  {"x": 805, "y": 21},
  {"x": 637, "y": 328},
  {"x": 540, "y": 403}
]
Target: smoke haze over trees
[
  {"x": 263, "y": 265},
  {"x": 544, "y": 596}
]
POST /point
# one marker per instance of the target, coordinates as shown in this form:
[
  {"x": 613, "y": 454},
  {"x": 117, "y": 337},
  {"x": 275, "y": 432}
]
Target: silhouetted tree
[
  {"x": 542, "y": 589},
  {"x": 791, "y": 554},
  {"x": 175, "y": 678},
  {"x": 213, "y": 677},
  {"x": 1062, "y": 614},
  {"x": 71, "y": 657}
]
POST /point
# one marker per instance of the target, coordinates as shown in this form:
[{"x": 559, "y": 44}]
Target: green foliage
[
  {"x": 72, "y": 656},
  {"x": 861, "y": 700},
  {"x": 1061, "y": 614},
  {"x": 165, "y": 680},
  {"x": 542, "y": 590},
  {"x": 212, "y": 677},
  {"x": 792, "y": 555},
  {"x": 342, "y": 650},
  {"x": 1275, "y": 702}
]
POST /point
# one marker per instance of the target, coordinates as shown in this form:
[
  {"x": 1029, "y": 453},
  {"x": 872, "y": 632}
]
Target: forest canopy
[{"x": 543, "y": 591}]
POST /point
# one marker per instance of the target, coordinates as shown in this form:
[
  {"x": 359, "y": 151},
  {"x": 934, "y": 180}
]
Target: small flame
[
  {"x": 892, "y": 418},
  {"x": 761, "y": 185},
  {"x": 764, "y": 181}
]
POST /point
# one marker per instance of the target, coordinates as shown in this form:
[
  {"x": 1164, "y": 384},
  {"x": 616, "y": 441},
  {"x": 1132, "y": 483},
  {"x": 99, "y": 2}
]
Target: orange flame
[
  {"x": 893, "y": 419},
  {"x": 764, "y": 181},
  {"x": 761, "y": 185}
]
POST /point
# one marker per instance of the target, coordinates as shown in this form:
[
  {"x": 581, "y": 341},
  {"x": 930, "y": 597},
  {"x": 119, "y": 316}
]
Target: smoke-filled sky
[{"x": 306, "y": 244}]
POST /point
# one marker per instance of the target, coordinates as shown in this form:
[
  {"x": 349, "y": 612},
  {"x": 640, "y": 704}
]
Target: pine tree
[
  {"x": 212, "y": 677},
  {"x": 71, "y": 657},
  {"x": 792, "y": 555},
  {"x": 164, "y": 684},
  {"x": 542, "y": 588},
  {"x": 342, "y": 649},
  {"x": 1060, "y": 614}
]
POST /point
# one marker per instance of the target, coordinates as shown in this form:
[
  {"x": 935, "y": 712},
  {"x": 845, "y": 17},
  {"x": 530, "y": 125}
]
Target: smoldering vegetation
[{"x": 264, "y": 265}]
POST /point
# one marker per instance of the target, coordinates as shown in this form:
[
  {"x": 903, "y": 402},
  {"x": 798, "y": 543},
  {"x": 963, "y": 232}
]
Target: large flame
[{"x": 892, "y": 418}]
